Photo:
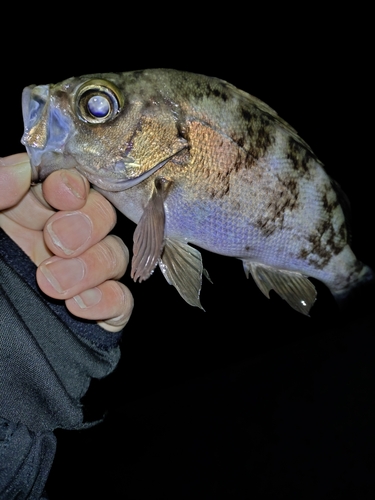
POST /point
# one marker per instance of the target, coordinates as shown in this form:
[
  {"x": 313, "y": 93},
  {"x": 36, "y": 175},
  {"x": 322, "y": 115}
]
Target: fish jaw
[{"x": 46, "y": 131}]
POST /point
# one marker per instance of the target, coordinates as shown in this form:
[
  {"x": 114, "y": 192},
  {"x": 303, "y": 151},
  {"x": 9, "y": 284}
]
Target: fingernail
[
  {"x": 63, "y": 274},
  {"x": 88, "y": 298},
  {"x": 74, "y": 182},
  {"x": 70, "y": 231}
]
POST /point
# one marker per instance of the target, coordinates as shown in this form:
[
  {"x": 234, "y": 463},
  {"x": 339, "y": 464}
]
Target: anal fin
[{"x": 292, "y": 286}]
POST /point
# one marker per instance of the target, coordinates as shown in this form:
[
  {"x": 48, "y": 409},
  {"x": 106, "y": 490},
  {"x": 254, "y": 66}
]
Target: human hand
[{"x": 77, "y": 260}]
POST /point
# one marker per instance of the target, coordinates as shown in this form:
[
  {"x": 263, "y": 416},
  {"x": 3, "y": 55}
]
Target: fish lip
[
  {"x": 35, "y": 166},
  {"x": 26, "y": 97}
]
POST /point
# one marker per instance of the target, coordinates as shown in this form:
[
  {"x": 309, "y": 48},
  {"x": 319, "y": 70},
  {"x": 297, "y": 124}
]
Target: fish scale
[{"x": 192, "y": 159}]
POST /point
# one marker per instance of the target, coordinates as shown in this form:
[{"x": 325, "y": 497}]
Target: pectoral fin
[
  {"x": 182, "y": 267},
  {"x": 180, "y": 263},
  {"x": 149, "y": 234},
  {"x": 293, "y": 287}
]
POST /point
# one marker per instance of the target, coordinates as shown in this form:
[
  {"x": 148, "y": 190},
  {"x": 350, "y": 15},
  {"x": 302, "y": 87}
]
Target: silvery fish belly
[{"x": 192, "y": 159}]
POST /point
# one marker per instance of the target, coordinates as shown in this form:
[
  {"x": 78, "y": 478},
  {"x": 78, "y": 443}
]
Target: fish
[{"x": 194, "y": 161}]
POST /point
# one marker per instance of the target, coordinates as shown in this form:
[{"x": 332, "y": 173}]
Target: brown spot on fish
[
  {"x": 335, "y": 242},
  {"x": 241, "y": 142},
  {"x": 352, "y": 276},
  {"x": 325, "y": 243},
  {"x": 246, "y": 115},
  {"x": 283, "y": 200},
  {"x": 203, "y": 90},
  {"x": 261, "y": 136},
  {"x": 329, "y": 205},
  {"x": 198, "y": 93},
  {"x": 320, "y": 255},
  {"x": 222, "y": 95},
  {"x": 222, "y": 184},
  {"x": 343, "y": 233},
  {"x": 303, "y": 254},
  {"x": 345, "y": 205},
  {"x": 291, "y": 192},
  {"x": 292, "y": 186},
  {"x": 239, "y": 162},
  {"x": 266, "y": 226},
  {"x": 299, "y": 156}
]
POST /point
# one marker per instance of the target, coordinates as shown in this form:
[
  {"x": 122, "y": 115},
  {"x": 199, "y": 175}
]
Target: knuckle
[
  {"x": 103, "y": 208},
  {"x": 110, "y": 254}
]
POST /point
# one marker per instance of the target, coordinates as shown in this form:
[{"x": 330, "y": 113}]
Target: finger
[
  {"x": 66, "y": 190},
  {"x": 15, "y": 176},
  {"x": 63, "y": 189},
  {"x": 71, "y": 233},
  {"x": 110, "y": 303},
  {"x": 31, "y": 241},
  {"x": 26, "y": 216},
  {"x": 29, "y": 213},
  {"x": 64, "y": 278}
]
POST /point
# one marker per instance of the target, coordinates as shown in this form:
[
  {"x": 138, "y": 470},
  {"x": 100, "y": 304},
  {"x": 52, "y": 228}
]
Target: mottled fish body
[{"x": 192, "y": 159}]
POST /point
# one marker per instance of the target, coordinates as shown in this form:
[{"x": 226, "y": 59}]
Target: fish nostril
[
  {"x": 35, "y": 110},
  {"x": 34, "y": 100}
]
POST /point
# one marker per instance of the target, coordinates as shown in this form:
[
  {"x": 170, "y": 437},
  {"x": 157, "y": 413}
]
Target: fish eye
[
  {"x": 99, "y": 106},
  {"x": 98, "y": 101}
]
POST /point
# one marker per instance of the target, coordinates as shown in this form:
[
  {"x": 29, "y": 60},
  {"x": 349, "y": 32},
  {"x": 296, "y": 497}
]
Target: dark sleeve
[
  {"x": 47, "y": 360},
  {"x": 25, "y": 461}
]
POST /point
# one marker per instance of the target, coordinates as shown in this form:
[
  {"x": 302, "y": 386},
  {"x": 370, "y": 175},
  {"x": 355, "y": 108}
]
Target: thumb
[{"x": 15, "y": 177}]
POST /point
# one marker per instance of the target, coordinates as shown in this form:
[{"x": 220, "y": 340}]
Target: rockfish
[{"x": 192, "y": 159}]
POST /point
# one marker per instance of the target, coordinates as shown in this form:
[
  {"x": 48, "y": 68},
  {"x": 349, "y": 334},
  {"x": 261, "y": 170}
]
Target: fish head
[
  {"x": 102, "y": 125},
  {"x": 69, "y": 125}
]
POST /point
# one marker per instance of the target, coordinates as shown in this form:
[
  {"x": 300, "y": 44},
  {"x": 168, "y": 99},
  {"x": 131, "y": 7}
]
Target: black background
[{"x": 249, "y": 399}]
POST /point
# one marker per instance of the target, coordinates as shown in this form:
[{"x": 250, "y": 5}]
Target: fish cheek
[{"x": 96, "y": 146}]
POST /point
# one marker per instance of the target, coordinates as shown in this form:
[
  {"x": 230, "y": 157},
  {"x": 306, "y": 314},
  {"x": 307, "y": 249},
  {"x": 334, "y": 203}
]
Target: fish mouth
[{"x": 46, "y": 128}]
